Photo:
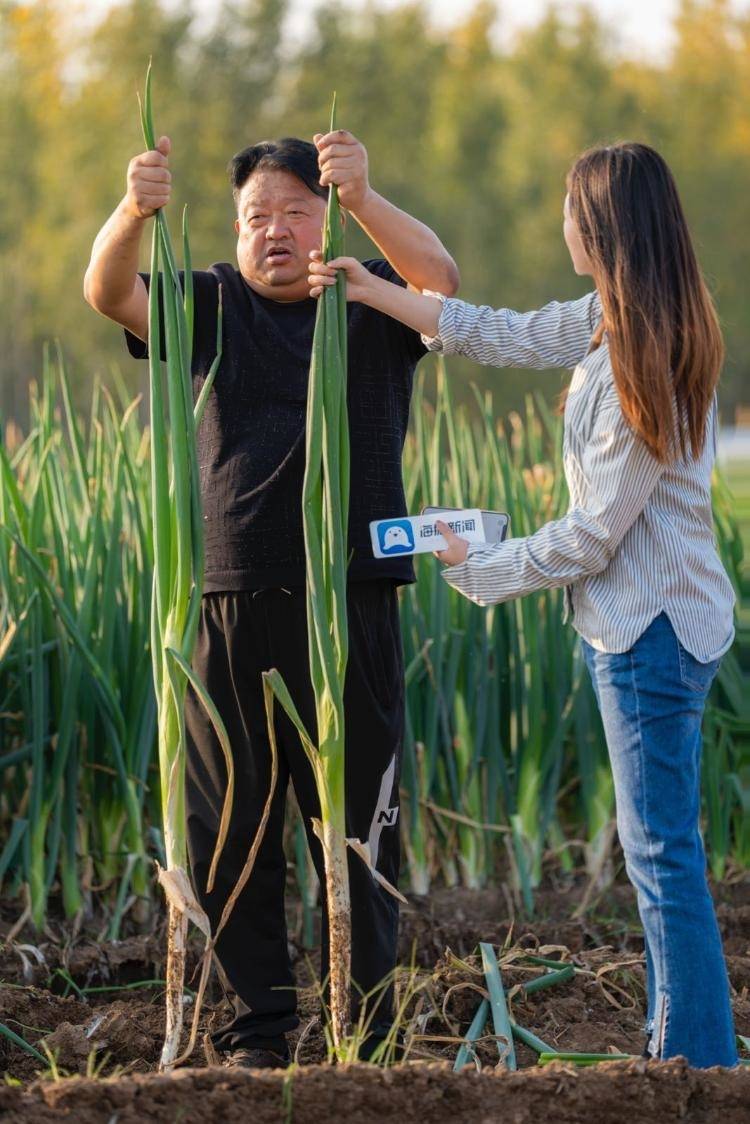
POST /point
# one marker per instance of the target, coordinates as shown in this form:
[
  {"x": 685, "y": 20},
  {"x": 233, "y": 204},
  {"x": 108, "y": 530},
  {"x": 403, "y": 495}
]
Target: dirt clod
[{"x": 608, "y": 1094}]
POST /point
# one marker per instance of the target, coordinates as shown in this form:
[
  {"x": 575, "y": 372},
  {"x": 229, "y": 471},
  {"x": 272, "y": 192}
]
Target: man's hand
[
  {"x": 149, "y": 181},
  {"x": 342, "y": 160},
  {"x": 320, "y": 274},
  {"x": 457, "y": 548}
]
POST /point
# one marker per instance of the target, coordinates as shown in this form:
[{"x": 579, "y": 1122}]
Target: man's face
[{"x": 279, "y": 220}]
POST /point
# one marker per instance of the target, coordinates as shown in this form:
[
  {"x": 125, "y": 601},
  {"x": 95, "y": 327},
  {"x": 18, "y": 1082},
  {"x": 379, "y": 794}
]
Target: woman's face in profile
[{"x": 574, "y": 242}]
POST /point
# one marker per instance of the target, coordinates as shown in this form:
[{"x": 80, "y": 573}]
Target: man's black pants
[{"x": 241, "y": 635}]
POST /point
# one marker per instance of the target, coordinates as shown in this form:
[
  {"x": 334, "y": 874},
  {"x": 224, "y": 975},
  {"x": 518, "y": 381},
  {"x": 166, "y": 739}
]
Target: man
[{"x": 251, "y": 449}]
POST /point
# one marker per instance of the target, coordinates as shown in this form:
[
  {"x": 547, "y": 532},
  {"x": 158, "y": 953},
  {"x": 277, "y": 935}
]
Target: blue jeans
[{"x": 651, "y": 700}]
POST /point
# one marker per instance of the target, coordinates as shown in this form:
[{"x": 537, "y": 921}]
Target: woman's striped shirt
[{"x": 638, "y": 536}]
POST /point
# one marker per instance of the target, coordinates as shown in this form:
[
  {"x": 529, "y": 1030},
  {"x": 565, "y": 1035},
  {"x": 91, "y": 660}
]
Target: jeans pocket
[{"x": 694, "y": 674}]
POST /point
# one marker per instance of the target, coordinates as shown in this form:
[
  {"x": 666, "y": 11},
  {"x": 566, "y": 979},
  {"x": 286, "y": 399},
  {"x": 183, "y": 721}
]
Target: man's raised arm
[
  {"x": 414, "y": 251},
  {"x": 112, "y": 285}
]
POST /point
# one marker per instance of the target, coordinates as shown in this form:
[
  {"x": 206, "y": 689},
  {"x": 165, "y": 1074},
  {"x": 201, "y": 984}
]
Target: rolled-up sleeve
[
  {"x": 557, "y": 335},
  {"x": 621, "y": 474}
]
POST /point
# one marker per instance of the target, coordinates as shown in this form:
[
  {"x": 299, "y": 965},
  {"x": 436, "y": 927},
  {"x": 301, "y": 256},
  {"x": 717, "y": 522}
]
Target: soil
[
  {"x": 49, "y": 996},
  {"x": 605, "y": 1094}
]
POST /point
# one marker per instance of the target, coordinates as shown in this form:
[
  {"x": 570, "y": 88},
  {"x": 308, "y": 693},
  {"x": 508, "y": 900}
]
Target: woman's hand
[
  {"x": 457, "y": 548},
  {"x": 320, "y": 274}
]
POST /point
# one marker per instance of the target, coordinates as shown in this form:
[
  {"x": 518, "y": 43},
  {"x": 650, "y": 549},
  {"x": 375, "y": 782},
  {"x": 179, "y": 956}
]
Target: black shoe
[{"x": 255, "y": 1057}]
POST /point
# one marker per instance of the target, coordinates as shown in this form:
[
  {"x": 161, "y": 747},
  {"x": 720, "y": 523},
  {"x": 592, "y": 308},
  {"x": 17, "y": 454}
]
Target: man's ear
[{"x": 236, "y": 226}]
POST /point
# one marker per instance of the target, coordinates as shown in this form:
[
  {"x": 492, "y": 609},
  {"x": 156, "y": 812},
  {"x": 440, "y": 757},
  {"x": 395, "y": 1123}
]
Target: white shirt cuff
[{"x": 434, "y": 343}]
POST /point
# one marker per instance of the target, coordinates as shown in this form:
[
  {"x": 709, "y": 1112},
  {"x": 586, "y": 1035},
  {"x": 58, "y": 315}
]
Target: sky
[
  {"x": 641, "y": 26},
  {"x": 643, "y": 20}
]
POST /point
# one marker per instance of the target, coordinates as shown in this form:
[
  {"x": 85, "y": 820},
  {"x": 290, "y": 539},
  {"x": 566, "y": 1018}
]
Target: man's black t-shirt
[{"x": 251, "y": 442}]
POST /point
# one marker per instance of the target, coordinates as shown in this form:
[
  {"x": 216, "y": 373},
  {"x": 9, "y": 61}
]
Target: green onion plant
[
  {"x": 325, "y": 509},
  {"x": 177, "y": 528}
]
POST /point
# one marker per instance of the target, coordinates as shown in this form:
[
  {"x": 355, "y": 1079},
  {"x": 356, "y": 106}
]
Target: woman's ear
[{"x": 236, "y": 226}]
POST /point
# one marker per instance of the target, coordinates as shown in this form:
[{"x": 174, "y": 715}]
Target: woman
[{"x": 648, "y": 594}]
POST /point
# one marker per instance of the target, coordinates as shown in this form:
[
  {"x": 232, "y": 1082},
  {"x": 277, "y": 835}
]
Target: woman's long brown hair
[{"x": 662, "y": 329}]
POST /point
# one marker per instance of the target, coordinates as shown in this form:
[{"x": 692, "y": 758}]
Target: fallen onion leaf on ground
[
  {"x": 466, "y": 1051},
  {"x": 498, "y": 1006},
  {"x": 584, "y": 1059}
]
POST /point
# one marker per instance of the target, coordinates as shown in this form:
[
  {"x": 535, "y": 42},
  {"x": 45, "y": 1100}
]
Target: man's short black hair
[{"x": 290, "y": 154}]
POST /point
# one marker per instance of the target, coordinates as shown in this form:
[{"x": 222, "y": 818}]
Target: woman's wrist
[
  {"x": 422, "y": 313},
  {"x": 376, "y": 292}
]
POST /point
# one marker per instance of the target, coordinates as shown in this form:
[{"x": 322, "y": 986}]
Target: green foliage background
[{"x": 472, "y": 137}]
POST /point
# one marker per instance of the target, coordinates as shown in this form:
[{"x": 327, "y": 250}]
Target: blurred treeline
[{"x": 473, "y": 138}]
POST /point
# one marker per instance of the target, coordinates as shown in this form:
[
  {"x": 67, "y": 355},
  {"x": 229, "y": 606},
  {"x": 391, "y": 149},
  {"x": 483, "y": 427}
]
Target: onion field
[
  {"x": 507, "y": 818},
  {"x": 505, "y": 764}
]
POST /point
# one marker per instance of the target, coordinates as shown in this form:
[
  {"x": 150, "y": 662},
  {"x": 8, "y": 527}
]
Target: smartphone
[{"x": 495, "y": 523}]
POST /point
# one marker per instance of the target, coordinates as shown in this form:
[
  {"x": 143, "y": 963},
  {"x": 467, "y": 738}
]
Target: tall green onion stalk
[
  {"x": 177, "y": 584},
  {"x": 325, "y": 509}
]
